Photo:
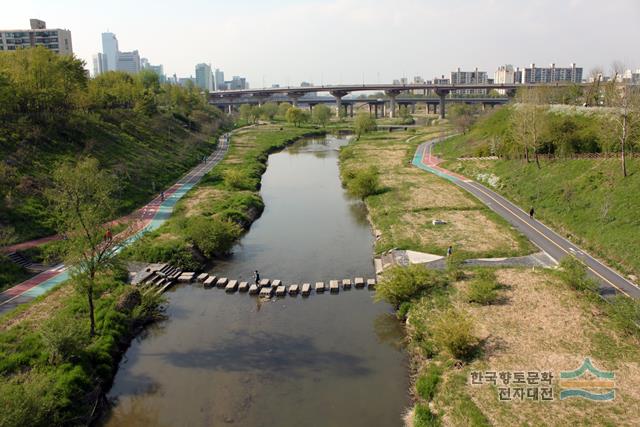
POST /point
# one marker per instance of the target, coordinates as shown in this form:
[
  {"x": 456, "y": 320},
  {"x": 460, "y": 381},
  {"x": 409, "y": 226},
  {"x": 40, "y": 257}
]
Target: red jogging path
[{"x": 147, "y": 218}]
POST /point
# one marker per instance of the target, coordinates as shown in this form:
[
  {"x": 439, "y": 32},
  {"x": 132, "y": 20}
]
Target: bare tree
[{"x": 528, "y": 122}]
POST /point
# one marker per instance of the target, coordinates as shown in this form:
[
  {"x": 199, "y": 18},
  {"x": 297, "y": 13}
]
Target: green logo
[{"x": 587, "y": 382}]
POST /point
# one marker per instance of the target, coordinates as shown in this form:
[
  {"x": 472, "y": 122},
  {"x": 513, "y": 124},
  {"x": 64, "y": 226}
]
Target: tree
[
  {"x": 363, "y": 123},
  {"x": 623, "y": 120},
  {"x": 294, "y": 116},
  {"x": 463, "y": 116},
  {"x": 269, "y": 110},
  {"x": 282, "y": 109},
  {"x": 82, "y": 202},
  {"x": 250, "y": 113},
  {"x": 528, "y": 122},
  {"x": 321, "y": 114}
]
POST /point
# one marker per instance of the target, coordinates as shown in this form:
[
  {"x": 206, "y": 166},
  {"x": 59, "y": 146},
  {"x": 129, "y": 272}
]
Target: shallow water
[{"x": 326, "y": 360}]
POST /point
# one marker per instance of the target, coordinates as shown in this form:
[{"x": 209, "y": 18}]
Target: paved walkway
[
  {"x": 148, "y": 218},
  {"x": 556, "y": 246}
]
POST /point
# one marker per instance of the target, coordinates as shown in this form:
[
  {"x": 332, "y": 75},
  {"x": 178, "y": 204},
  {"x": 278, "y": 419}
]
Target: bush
[
  {"x": 454, "y": 266},
  {"x": 363, "y": 182},
  {"x": 423, "y": 417},
  {"x": 27, "y": 401},
  {"x": 574, "y": 273},
  {"x": 625, "y": 314},
  {"x": 213, "y": 236},
  {"x": 64, "y": 337},
  {"x": 483, "y": 289},
  {"x": 453, "y": 332},
  {"x": 236, "y": 179},
  {"x": 401, "y": 284},
  {"x": 428, "y": 382}
]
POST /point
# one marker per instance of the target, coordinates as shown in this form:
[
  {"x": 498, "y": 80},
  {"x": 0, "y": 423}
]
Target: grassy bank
[
  {"x": 525, "y": 322},
  {"x": 225, "y": 202},
  {"x": 586, "y": 200},
  {"x": 409, "y": 199},
  {"x": 51, "y": 371}
]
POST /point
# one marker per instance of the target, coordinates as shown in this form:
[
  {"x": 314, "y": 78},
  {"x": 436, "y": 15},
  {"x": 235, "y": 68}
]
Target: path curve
[{"x": 542, "y": 236}]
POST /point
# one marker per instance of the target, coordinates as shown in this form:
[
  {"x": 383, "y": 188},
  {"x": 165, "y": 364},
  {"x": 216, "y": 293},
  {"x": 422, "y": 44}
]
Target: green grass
[
  {"x": 588, "y": 201},
  {"x": 51, "y": 371},
  {"x": 146, "y": 153},
  {"x": 11, "y": 273}
]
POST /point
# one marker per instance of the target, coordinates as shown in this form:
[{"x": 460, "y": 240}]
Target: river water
[{"x": 325, "y": 360}]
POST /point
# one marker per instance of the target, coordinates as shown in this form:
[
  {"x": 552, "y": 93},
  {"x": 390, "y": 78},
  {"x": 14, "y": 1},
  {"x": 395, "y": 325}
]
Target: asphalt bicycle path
[
  {"x": 556, "y": 246},
  {"x": 149, "y": 217}
]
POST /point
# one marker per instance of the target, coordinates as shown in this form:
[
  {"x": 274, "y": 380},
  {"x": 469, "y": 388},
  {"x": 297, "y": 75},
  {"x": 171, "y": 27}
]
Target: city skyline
[{"x": 348, "y": 41}]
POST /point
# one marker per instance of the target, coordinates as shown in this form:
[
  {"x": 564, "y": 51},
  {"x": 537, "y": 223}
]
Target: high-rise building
[
  {"x": 110, "y": 51},
  {"x": 551, "y": 74},
  {"x": 55, "y": 39},
  {"x": 218, "y": 80},
  {"x": 99, "y": 65},
  {"x": 128, "y": 62},
  {"x": 237, "y": 82},
  {"x": 441, "y": 81},
  {"x": 204, "y": 77},
  {"x": 474, "y": 77}
]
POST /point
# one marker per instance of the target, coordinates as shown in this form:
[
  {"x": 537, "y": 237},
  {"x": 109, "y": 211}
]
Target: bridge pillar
[
  {"x": 229, "y": 110},
  {"x": 392, "y": 94},
  {"x": 442, "y": 93},
  {"x": 294, "y": 97},
  {"x": 338, "y": 95},
  {"x": 351, "y": 110},
  {"x": 311, "y": 105}
]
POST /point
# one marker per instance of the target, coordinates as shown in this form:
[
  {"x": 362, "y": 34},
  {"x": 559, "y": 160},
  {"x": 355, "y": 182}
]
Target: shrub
[
  {"x": 454, "y": 266},
  {"x": 27, "y": 400},
  {"x": 574, "y": 273},
  {"x": 213, "y": 236},
  {"x": 428, "y": 382},
  {"x": 454, "y": 332},
  {"x": 401, "y": 284},
  {"x": 64, "y": 337},
  {"x": 403, "y": 310},
  {"x": 625, "y": 314},
  {"x": 237, "y": 180},
  {"x": 363, "y": 182},
  {"x": 483, "y": 289},
  {"x": 423, "y": 417}
]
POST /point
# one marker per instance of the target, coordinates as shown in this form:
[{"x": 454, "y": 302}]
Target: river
[{"x": 325, "y": 360}]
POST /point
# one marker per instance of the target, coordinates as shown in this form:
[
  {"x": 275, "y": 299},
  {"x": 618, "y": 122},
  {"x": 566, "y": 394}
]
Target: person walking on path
[
  {"x": 107, "y": 235},
  {"x": 256, "y": 276},
  {"x": 449, "y": 251},
  {"x": 531, "y": 212},
  {"x": 162, "y": 196}
]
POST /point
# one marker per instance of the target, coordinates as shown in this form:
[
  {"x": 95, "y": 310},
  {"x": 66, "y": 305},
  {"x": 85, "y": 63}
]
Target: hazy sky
[{"x": 344, "y": 41}]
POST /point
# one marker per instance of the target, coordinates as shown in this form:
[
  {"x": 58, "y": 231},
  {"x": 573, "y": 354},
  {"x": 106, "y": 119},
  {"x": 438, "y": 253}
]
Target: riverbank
[
  {"x": 408, "y": 201},
  {"x": 501, "y": 322},
  {"x": 211, "y": 217},
  {"x": 51, "y": 371}
]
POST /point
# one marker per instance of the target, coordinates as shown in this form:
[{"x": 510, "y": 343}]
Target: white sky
[{"x": 346, "y": 41}]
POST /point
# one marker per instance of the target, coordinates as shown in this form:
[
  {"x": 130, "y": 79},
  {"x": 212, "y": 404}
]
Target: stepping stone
[
  {"x": 319, "y": 287},
  {"x": 306, "y": 289},
  {"x": 231, "y": 286},
  {"x": 276, "y": 283},
  {"x": 253, "y": 289},
  {"x": 222, "y": 282},
  {"x": 210, "y": 282},
  {"x": 243, "y": 287},
  {"x": 371, "y": 284},
  {"x": 346, "y": 283},
  {"x": 202, "y": 277},
  {"x": 281, "y": 291},
  {"x": 186, "y": 277},
  {"x": 358, "y": 282},
  {"x": 266, "y": 291},
  {"x": 264, "y": 282},
  {"x": 294, "y": 289},
  {"x": 334, "y": 286}
]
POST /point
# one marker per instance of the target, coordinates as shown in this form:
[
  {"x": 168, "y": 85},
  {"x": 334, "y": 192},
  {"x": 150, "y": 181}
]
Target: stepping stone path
[
  {"x": 319, "y": 287},
  {"x": 294, "y": 289},
  {"x": 222, "y": 282},
  {"x": 243, "y": 287},
  {"x": 346, "y": 283},
  {"x": 281, "y": 291},
  {"x": 306, "y": 289},
  {"x": 231, "y": 286},
  {"x": 358, "y": 282}
]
